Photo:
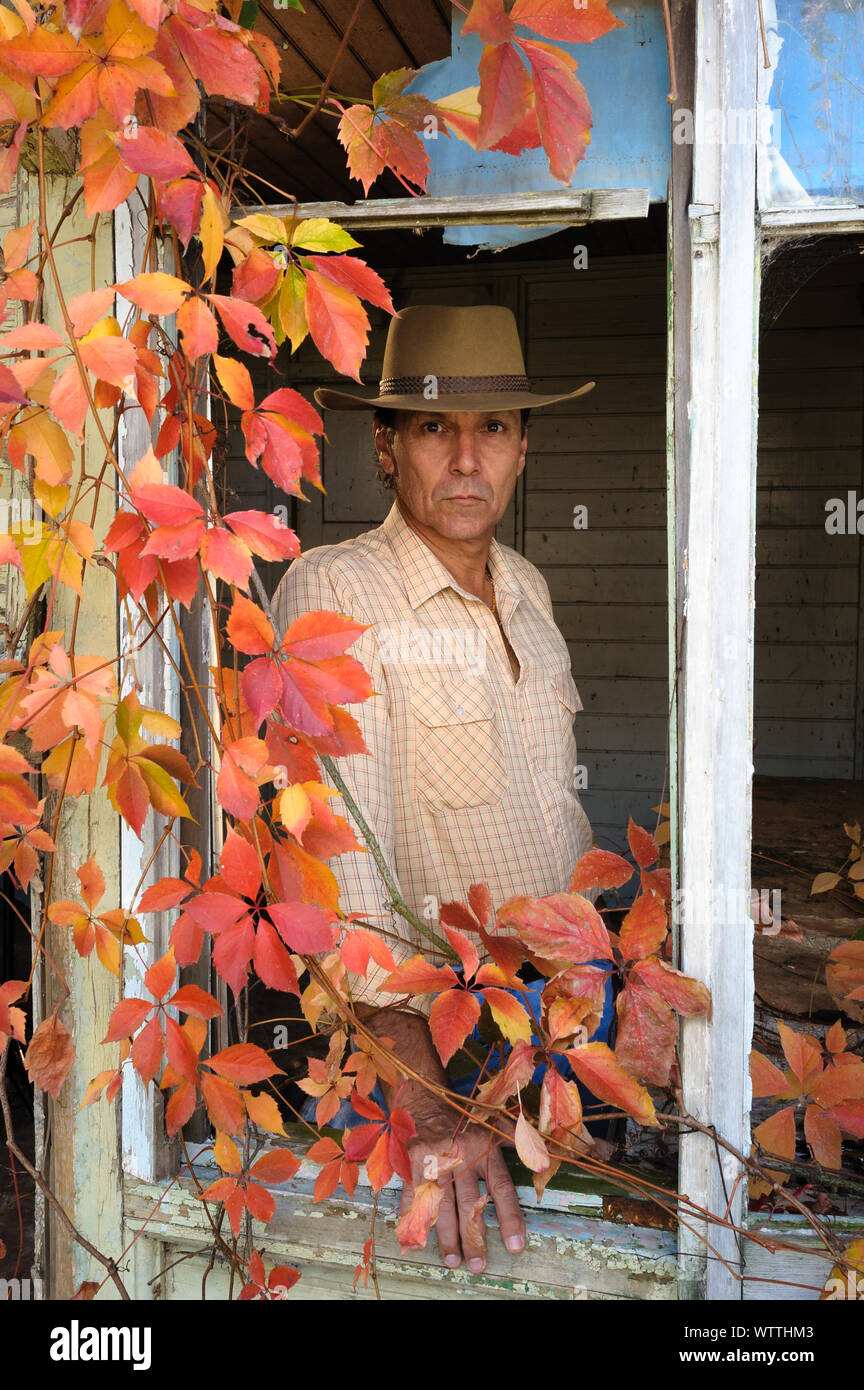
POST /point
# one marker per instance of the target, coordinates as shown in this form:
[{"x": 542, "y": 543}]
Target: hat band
[{"x": 432, "y": 386}]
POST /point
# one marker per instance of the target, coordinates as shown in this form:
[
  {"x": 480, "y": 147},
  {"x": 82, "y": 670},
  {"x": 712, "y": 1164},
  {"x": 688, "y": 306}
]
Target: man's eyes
[{"x": 430, "y": 426}]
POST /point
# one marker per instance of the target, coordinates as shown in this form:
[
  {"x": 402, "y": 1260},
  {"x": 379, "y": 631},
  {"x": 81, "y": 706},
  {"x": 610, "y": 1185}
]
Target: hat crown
[{"x": 433, "y": 340}]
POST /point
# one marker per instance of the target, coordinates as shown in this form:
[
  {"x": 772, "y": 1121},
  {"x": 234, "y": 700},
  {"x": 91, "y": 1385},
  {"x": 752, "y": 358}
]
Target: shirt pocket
[
  {"x": 459, "y": 754},
  {"x": 556, "y": 701}
]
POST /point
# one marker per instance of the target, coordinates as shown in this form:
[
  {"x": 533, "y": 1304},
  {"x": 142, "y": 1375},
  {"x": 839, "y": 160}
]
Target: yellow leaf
[
  {"x": 295, "y": 809},
  {"x": 212, "y": 231},
  {"x": 157, "y": 722},
  {"x": 266, "y": 228},
  {"x": 52, "y": 500}
]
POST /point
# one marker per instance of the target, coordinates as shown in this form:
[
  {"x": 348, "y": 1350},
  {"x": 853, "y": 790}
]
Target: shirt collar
[{"x": 425, "y": 575}]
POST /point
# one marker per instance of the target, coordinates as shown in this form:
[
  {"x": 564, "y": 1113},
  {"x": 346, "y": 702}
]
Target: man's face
[{"x": 455, "y": 474}]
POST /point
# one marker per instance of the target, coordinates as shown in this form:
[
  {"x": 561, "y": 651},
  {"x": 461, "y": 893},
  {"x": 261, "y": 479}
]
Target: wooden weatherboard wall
[{"x": 809, "y": 695}]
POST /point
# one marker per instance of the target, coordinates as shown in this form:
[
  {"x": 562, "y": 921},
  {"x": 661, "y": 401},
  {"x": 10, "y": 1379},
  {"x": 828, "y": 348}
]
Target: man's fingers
[
  {"x": 447, "y": 1230},
  {"x": 471, "y": 1225},
  {"x": 500, "y": 1187}
]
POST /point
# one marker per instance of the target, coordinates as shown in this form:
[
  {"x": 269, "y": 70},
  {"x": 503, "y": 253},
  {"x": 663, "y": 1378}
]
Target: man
[{"x": 473, "y": 759}]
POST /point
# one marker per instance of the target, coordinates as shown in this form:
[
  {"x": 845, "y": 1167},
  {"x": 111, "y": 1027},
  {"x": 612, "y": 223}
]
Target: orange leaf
[
  {"x": 413, "y": 1227},
  {"x": 417, "y": 976},
  {"x": 644, "y": 927},
  {"x": 823, "y": 1136},
  {"x": 563, "y": 927},
  {"x": 803, "y": 1054},
  {"x": 264, "y": 1111},
  {"x": 275, "y": 1166},
  {"x": 235, "y": 381},
  {"x": 451, "y": 1018},
  {"x": 50, "y": 1056},
  {"x": 777, "y": 1134},
  {"x": 160, "y": 977},
  {"x": 767, "y": 1079},
  {"x": 602, "y": 1073},
  {"x": 600, "y": 868},
  {"x": 338, "y": 323},
  {"x": 128, "y": 1015},
  {"x": 243, "y": 1062},
  {"x": 249, "y": 629}
]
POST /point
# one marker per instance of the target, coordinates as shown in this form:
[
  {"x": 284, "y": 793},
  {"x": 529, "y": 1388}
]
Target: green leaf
[
  {"x": 248, "y": 14},
  {"x": 319, "y": 234}
]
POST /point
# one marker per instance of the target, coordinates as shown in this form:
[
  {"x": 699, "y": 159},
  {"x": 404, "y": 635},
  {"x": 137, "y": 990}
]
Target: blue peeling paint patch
[
  {"x": 816, "y": 88},
  {"x": 626, "y": 76}
]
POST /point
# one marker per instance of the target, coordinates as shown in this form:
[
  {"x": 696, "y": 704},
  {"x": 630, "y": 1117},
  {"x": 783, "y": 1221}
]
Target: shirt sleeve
[{"x": 306, "y": 587}]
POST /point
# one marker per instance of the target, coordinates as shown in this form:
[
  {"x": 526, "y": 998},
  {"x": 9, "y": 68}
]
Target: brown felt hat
[{"x": 440, "y": 358}]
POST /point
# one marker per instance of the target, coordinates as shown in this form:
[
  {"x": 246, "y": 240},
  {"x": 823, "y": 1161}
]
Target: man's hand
[
  {"x": 447, "y": 1150},
  {"x": 458, "y": 1165}
]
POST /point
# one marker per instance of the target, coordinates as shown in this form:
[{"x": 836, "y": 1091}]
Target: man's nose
[{"x": 465, "y": 452}]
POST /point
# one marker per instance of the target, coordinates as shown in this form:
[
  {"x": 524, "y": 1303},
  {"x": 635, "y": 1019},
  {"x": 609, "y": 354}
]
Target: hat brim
[{"x": 486, "y": 400}]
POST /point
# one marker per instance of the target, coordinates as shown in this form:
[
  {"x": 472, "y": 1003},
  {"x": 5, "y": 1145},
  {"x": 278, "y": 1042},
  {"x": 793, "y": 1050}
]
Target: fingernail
[
  {"x": 451, "y": 1260},
  {"x": 514, "y": 1244},
  {"x": 476, "y": 1266}
]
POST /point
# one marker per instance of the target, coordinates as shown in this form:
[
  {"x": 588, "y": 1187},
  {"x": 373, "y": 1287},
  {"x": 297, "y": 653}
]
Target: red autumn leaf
[
  {"x": 191, "y": 999},
  {"x": 147, "y": 1050},
  {"x": 644, "y": 928},
  {"x": 226, "y": 557},
  {"x": 275, "y": 1166},
  {"x": 167, "y": 893},
  {"x": 245, "y": 325},
  {"x": 688, "y": 997},
  {"x": 417, "y": 976},
  {"x": 160, "y": 977},
  {"x": 505, "y": 91},
  {"x": 338, "y": 324},
  {"x": 563, "y": 112},
  {"x": 181, "y": 1052},
  {"x": 563, "y": 927},
  {"x": 244, "y": 1062},
  {"x": 50, "y": 1056},
  {"x": 255, "y": 278},
  {"x": 155, "y": 153},
  {"x": 643, "y": 846},
  {"x": 266, "y": 535},
  {"x": 451, "y": 1018},
  {"x": 303, "y": 927},
  {"x": 354, "y": 275},
  {"x": 602, "y": 1073},
  {"x": 647, "y": 1032},
  {"x": 489, "y": 21},
  {"x": 465, "y": 949},
  {"x": 273, "y": 963},
  {"x": 317, "y": 635},
  {"x": 849, "y": 1117},
  {"x": 198, "y": 327},
  {"x": 261, "y": 687},
  {"x": 224, "y": 1103},
  {"x": 600, "y": 868},
  {"x": 126, "y": 1016},
  {"x": 561, "y": 19}
]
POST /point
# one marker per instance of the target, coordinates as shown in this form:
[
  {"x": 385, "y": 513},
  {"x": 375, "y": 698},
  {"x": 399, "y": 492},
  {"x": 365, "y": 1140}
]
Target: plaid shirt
[{"x": 471, "y": 775}]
